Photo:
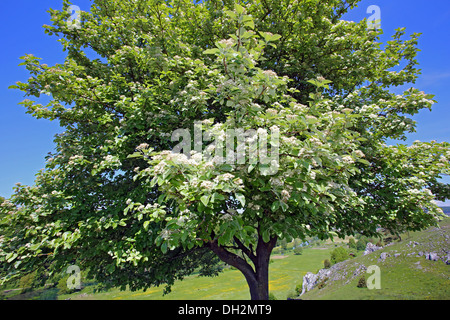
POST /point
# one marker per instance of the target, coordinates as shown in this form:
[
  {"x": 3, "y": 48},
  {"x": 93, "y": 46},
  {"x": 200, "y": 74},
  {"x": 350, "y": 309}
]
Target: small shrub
[
  {"x": 62, "y": 286},
  {"x": 352, "y": 243},
  {"x": 27, "y": 281},
  {"x": 339, "y": 254},
  {"x": 292, "y": 295},
  {"x": 272, "y": 296},
  {"x": 299, "y": 289},
  {"x": 327, "y": 264},
  {"x": 361, "y": 245},
  {"x": 298, "y": 251},
  {"x": 362, "y": 283}
]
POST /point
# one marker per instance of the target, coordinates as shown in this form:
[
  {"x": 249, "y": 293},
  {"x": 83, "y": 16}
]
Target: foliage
[
  {"x": 114, "y": 199},
  {"x": 362, "y": 282},
  {"x": 292, "y": 295},
  {"x": 338, "y": 255},
  {"x": 352, "y": 243},
  {"x": 299, "y": 289},
  {"x": 27, "y": 282},
  {"x": 62, "y": 286},
  {"x": 326, "y": 264},
  {"x": 298, "y": 250},
  {"x": 361, "y": 245}
]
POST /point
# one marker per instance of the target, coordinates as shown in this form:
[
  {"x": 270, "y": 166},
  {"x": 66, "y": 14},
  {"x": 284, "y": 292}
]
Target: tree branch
[{"x": 245, "y": 250}]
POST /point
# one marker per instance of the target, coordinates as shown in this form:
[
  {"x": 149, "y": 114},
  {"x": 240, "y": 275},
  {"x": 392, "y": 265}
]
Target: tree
[
  {"x": 361, "y": 245},
  {"x": 339, "y": 254},
  {"x": 352, "y": 243},
  {"x": 298, "y": 250},
  {"x": 125, "y": 200}
]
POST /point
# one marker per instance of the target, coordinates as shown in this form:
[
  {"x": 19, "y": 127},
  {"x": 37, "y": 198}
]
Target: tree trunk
[{"x": 258, "y": 277}]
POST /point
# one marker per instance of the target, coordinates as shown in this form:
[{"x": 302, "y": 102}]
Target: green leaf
[
  {"x": 205, "y": 200},
  {"x": 164, "y": 247},
  {"x": 275, "y": 206},
  {"x": 161, "y": 199},
  {"x": 231, "y": 14},
  {"x": 250, "y": 24},
  {"x": 211, "y": 51},
  {"x": 110, "y": 268},
  {"x": 11, "y": 256},
  {"x": 226, "y": 167},
  {"x": 135, "y": 155},
  {"x": 275, "y": 37},
  {"x": 217, "y": 196},
  {"x": 239, "y": 9},
  {"x": 241, "y": 198},
  {"x": 265, "y": 235},
  {"x": 364, "y": 161}
]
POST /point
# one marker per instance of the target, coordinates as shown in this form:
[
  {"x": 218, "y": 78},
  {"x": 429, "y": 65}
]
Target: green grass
[
  {"x": 402, "y": 278},
  {"x": 285, "y": 275}
]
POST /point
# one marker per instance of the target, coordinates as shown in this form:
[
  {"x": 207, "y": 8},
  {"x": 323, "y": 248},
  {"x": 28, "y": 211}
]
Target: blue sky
[{"x": 25, "y": 141}]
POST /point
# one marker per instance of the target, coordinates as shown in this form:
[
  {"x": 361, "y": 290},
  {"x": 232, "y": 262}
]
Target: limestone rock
[
  {"x": 370, "y": 247},
  {"x": 383, "y": 256}
]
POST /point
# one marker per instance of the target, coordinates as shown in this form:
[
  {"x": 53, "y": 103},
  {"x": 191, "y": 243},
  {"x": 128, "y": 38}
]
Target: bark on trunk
[{"x": 258, "y": 277}]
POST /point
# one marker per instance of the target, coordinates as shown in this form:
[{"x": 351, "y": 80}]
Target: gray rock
[
  {"x": 310, "y": 280},
  {"x": 383, "y": 256},
  {"x": 370, "y": 247},
  {"x": 433, "y": 256},
  {"x": 446, "y": 259},
  {"x": 413, "y": 244}
]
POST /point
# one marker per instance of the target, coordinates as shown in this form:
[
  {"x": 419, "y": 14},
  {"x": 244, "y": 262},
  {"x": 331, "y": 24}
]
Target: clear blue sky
[{"x": 25, "y": 141}]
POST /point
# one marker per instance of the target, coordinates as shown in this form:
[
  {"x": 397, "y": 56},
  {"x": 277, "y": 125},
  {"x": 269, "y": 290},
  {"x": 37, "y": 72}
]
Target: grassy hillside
[{"x": 404, "y": 274}]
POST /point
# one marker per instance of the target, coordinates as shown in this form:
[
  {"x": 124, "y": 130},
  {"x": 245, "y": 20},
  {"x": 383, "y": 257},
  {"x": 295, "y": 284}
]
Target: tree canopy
[{"x": 285, "y": 78}]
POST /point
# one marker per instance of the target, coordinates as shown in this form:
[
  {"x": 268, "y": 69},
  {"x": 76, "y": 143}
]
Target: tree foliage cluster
[{"x": 115, "y": 200}]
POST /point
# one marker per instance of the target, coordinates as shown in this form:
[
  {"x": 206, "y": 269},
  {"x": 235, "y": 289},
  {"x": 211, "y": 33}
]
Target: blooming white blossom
[
  {"x": 269, "y": 73},
  {"x": 347, "y": 159},
  {"x": 285, "y": 195},
  {"x": 142, "y": 146},
  {"x": 360, "y": 154},
  {"x": 207, "y": 185}
]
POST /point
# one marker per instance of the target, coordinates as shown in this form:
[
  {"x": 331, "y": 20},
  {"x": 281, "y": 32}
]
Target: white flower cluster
[
  {"x": 348, "y": 159},
  {"x": 110, "y": 161},
  {"x": 75, "y": 159},
  {"x": 285, "y": 195},
  {"x": 142, "y": 146}
]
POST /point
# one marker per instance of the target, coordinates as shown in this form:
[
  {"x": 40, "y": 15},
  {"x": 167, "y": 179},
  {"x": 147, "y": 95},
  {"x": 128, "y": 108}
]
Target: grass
[{"x": 285, "y": 275}]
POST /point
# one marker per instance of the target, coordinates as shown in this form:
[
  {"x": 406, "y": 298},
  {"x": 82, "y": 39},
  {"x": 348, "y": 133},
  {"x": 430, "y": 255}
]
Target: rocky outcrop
[
  {"x": 336, "y": 272},
  {"x": 370, "y": 247},
  {"x": 310, "y": 280}
]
